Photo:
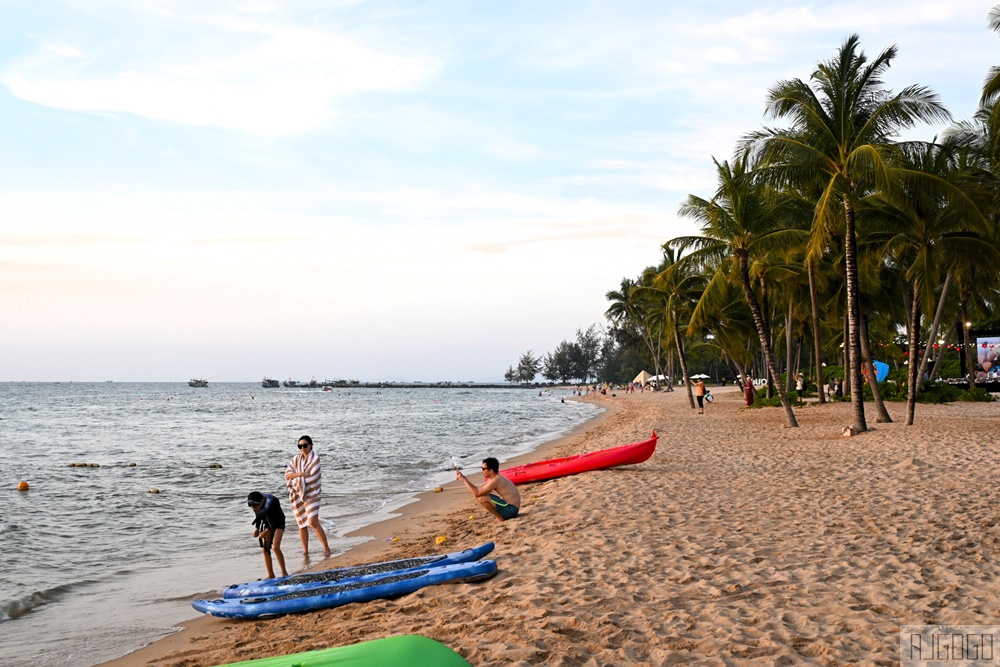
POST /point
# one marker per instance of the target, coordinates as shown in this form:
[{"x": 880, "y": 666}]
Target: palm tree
[
  {"x": 739, "y": 224},
  {"x": 842, "y": 128},
  {"x": 976, "y": 145},
  {"x": 724, "y": 313},
  {"x": 677, "y": 287},
  {"x": 629, "y": 309},
  {"x": 991, "y": 86},
  {"x": 926, "y": 223}
]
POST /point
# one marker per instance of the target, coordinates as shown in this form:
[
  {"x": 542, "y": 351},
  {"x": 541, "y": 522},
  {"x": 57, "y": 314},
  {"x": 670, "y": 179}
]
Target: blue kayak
[
  {"x": 297, "y": 582},
  {"x": 362, "y": 589}
]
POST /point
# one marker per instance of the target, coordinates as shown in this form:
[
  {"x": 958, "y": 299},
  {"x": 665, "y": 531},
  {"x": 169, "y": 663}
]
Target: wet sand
[{"x": 740, "y": 542}]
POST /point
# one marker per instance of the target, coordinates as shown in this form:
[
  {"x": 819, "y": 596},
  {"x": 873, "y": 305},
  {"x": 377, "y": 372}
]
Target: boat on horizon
[
  {"x": 312, "y": 384},
  {"x": 268, "y": 383},
  {"x": 195, "y": 382}
]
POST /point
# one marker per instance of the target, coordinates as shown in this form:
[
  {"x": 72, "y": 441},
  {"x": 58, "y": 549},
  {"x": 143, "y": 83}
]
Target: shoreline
[
  {"x": 427, "y": 506},
  {"x": 740, "y": 542}
]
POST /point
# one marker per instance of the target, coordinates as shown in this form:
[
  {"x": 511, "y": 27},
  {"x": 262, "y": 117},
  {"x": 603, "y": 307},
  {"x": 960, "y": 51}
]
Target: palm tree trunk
[
  {"x": 970, "y": 351},
  {"x": 800, "y": 343},
  {"x": 846, "y": 358},
  {"x": 765, "y": 339},
  {"x": 817, "y": 336},
  {"x": 925, "y": 362},
  {"x": 944, "y": 346},
  {"x": 683, "y": 361},
  {"x": 647, "y": 338},
  {"x": 853, "y": 315},
  {"x": 913, "y": 340},
  {"x": 789, "y": 358},
  {"x": 658, "y": 352},
  {"x": 883, "y": 414},
  {"x": 740, "y": 371},
  {"x": 670, "y": 371},
  {"x": 765, "y": 309}
]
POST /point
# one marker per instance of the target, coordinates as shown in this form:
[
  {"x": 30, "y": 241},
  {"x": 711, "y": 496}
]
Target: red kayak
[{"x": 637, "y": 452}]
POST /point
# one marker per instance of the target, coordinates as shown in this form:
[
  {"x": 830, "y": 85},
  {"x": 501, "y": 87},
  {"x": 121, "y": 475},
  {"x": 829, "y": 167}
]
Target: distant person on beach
[
  {"x": 699, "y": 392},
  {"x": 749, "y": 391},
  {"x": 304, "y": 480},
  {"x": 497, "y": 494},
  {"x": 839, "y": 389},
  {"x": 269, "y": 526}
]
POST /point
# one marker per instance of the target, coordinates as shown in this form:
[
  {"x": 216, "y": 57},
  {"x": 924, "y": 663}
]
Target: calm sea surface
[{"x": 96, "y": 566}]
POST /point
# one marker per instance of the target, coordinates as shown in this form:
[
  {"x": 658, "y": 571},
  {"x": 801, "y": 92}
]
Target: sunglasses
[
  {"x": 485, "y": 468},
  {"x": 251, "y": 503},
  {"x": 304, "y": 446}
]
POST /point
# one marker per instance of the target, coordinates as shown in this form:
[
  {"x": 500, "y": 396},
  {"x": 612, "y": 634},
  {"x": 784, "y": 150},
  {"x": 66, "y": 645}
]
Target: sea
[{"x": 96, "y": 564}]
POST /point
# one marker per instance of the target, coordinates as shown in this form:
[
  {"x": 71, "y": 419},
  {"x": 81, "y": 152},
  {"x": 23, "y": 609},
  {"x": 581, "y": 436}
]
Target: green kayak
[{"x": 407, "y": 650}]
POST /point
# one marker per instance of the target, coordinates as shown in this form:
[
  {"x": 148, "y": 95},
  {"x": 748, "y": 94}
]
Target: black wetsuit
[{"x": 270, "y": 517}]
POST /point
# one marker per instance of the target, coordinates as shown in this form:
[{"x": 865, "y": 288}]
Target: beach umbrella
[
  {"x": 881, "y": 371},
  {"x": 700, "y": 376},
  {"x": 642, "y": 378}
]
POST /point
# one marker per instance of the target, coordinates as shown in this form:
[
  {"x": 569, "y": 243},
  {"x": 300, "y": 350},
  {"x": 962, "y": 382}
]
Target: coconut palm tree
[
  {"x": 724, "y": 313},
  {"x": 991, "y": 86},
  {"x": 843, "y": 123},
  {"x": 628, "y": 309},
  {"x": 976, "y": 146},
  {"x": 677, "y": 286},
  {"x": 739, "y": 224},
  {"x": 925, "y": 223}
]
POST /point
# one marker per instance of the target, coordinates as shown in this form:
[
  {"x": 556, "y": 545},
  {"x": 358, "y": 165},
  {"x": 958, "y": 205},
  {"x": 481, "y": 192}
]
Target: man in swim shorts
[
  {"x": 269, "y": 527},
  {"x": 497, "y": 494}
]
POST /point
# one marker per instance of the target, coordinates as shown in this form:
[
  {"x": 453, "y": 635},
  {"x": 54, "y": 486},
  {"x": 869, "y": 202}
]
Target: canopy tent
[{"x": 642, "y": 378}]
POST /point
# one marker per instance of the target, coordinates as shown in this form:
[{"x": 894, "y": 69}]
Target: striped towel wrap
[{"x": 305, "y": 492}]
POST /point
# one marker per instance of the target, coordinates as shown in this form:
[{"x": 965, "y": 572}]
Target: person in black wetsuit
[{"x": 269, "y": 526}]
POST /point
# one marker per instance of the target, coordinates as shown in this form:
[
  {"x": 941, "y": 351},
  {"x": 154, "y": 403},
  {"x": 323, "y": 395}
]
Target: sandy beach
[{"x": 740, "y": 542}]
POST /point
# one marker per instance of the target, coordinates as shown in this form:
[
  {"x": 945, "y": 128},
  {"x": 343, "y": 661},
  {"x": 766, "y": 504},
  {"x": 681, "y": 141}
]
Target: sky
[{"x": 390, "y": 190}]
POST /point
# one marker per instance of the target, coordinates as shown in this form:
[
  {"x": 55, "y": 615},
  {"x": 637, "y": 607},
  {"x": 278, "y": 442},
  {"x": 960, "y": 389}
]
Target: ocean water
[{"x": 96, "y": 566}]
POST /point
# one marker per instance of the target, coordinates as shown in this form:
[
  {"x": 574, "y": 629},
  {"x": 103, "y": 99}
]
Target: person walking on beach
[
  {"x": 497, "y": 494},
  {"x": 748, "y": 390},
  {"x": 699, "y": 392},
  {"x": 269, "y": 527},
  {"x": 304, "y": 480}
]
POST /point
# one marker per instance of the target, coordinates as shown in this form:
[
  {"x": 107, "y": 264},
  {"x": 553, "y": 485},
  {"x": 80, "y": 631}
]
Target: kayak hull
[
  {"x": 410, "y": 650},
  {"x": 298, "y": 582},
  {"x": 362, "y": 589},
  {"x": 630, "y": 454}
]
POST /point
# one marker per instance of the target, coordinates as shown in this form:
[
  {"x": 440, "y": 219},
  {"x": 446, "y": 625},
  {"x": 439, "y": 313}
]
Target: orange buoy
[{"x": 22, "y": 486}]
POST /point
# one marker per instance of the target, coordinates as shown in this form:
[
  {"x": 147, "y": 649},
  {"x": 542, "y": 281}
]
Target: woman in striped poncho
[{"x": 304, "y": 480}]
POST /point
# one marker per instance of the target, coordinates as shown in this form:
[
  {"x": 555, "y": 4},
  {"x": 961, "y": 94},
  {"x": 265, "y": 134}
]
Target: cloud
[
  {"x": 271, "y": 80},
  {"x": 267, "y": 240},
  {"x": 633, "y": 229},
  {"x": 60, "y": 241},
  {"x": 66, "y": 51},
  {"x": 509, "y": 149}
]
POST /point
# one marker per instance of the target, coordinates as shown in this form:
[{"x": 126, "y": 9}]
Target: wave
[{"x": 15, "y": 609}]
